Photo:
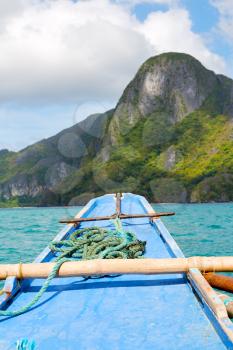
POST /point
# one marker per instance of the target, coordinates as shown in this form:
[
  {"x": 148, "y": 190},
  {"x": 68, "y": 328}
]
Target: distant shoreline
[{"x": 75, "y": 206}]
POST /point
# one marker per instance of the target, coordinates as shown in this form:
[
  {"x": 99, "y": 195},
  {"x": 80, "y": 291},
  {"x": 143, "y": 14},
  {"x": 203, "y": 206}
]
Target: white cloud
[
  {"x": 60, "y": 50},
  {"x": 172, "y": 31},
  {"x": 65, "y": 51},
  {"x": 159, "y": 2},
  {"x": 225, "y": 25}
]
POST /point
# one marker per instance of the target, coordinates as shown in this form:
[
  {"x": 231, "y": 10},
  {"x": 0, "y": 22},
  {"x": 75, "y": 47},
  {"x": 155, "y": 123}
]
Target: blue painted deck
[{"x": 119, "y": 313}]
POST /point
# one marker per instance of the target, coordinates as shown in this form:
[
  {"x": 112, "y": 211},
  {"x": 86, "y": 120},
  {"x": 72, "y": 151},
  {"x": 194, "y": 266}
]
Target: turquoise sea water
[
  {"x": 25, "y": 232},
  {"x": 199, "y": 229}
]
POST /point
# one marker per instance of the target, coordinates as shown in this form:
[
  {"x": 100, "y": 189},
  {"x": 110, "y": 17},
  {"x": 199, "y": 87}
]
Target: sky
[{"x": 61, "y": 60}]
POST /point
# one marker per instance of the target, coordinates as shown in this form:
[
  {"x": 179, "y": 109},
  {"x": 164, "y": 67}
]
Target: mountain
[{"x": 170, "y": 138}]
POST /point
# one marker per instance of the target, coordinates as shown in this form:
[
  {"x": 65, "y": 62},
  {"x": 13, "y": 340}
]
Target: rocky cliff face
[
  {"x": 172, "y": 84},
  {"x": 170, "y": 116},
  {"x": 34, "y": 174},
  {"x": 169, "y": 138}
]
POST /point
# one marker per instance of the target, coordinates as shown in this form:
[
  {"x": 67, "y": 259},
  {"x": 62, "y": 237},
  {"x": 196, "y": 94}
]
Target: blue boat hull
[{"x": 124, "y": 312}]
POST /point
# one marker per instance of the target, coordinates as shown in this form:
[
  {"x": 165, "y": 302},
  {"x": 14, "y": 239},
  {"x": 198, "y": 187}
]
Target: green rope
[{"x": 86, "y": 244}]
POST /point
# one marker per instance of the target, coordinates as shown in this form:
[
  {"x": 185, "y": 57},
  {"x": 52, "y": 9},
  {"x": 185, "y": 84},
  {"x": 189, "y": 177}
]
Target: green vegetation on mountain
[
  {"x": 170, "y": 138},
  {"x": 198, "y": 148}
]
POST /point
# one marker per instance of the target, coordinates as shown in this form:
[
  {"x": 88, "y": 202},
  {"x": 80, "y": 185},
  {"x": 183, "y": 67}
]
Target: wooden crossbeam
[{"x": 114, "y": 216}]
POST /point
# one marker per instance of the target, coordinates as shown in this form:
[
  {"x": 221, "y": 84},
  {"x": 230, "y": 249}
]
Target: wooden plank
[
  {"x": 227, "y": 327},
  {"x": 118, "y": 204},
  {"x": 229, "y": 305},
  {"x": 121, "y": 216},
  {"x": 208, "y": 293},
  {"x": 214, "y": 302}
]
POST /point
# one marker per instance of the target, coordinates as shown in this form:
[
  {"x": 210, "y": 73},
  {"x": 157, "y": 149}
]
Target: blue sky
[
  {"x": 203, "y": 14},
  {"x": 205, "y": 17},
  {"x": 62, "y": 60}
]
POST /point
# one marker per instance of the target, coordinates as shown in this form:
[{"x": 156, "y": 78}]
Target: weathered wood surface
[
  {"x": 229, "y": 306},
  {"x": 208, "y": 293},
  {"x": 120, "y": 216}
]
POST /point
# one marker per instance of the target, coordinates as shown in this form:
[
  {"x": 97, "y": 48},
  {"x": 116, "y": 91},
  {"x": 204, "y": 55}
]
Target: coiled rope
[{"x": 85, "y": 244}]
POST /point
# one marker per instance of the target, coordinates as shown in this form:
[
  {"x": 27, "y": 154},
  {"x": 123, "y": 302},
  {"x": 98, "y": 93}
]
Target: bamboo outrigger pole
[
  {"x": 220, "y": 281},
  {"x": 118, "y": 266}
]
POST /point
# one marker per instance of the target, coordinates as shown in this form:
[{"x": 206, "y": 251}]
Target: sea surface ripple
[{"x": 199, "y": 229}]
